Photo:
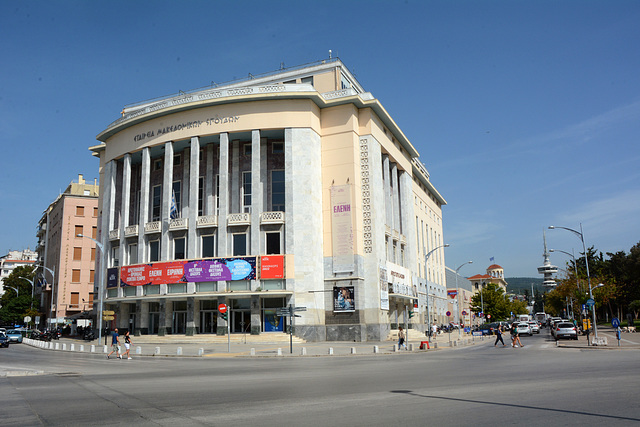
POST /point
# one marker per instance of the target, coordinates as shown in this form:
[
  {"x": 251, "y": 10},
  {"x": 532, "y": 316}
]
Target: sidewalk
[{"x": 628, "y": 340}]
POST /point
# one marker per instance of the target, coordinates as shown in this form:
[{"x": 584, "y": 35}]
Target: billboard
[
  {"x": 272, "y": 267},
  {"x": 343, "y": 299}
]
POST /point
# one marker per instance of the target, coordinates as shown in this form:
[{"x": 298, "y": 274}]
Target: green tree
[
  {"x": 14, "y": 306},
  {"x": 494, "y": 300}
]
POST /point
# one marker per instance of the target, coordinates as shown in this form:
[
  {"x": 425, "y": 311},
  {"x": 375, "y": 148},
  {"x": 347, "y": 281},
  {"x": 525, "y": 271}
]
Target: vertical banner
[
  {"x": 342, "y": 229},
  {"x": 112, "y": 277},
  {"x": 384, "y": 289},
  {"x": 343, "y": 299}
]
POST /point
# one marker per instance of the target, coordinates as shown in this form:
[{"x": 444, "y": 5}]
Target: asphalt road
[{"x": 479, "y": 385}]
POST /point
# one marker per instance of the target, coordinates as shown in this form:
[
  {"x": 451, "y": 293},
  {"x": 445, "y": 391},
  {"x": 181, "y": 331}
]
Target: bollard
[
  {"x": 455, "y": 343},
  {"x": 200, "y": 351},
  {"x": 105, "y": 349},
  {"x": 279, "y": 352},
  {"x": 435, "y": 345},
  {"x": 157, "y": 351},
  {"x": 138, "y": 350},
  {"x": 395, "y": 347},
  {"x": 253, "y": 351},
  {"x": 330, "y": 350},
  {"x": 82, "y": 348},
  {"x": 353, "y": 350},
  {"x": 303, "y": 351},
  {"x": 57, "y": 347},
  {"x": 72, "y": 347},
  {"x": 410, "y": 347},
  {"x": 376, "y": 349},
  {"x": 93, "y": 348},
  {"x": 179, "y": 351}
]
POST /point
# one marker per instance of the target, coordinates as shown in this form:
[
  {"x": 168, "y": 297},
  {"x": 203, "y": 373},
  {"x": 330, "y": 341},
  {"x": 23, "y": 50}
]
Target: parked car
[
  {"x": 535, "y": 328},
  {"x": 565, "y": 330},
  {"x": 555, "y": 323},
  {"x": 14, "y": 335},
  {"x": 488, "y": 328},
  {"x": 4, "y": 341},
  {"x": 524, "y": 328}
]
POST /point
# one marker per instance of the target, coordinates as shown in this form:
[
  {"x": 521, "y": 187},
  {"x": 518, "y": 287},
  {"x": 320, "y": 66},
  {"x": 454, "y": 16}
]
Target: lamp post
[
  {"x": 458, "y": 295},
  {"x": 101, "y": 283},
  {"x": 575, "y": 265},
  {"x": 426, "y": 258},
  {"x": 53, "y": 285},
  {"x": 33, "y": 281},
  {"x": 580, "y": 234}
]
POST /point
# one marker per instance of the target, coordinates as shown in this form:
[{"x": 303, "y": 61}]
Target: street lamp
[
  {"x": 458, "y": 295},
  {"x": 575, "y": 264},
  {"x": 33, "y": 281},
  {"x": 53, "y": 285},
  {"x": 426, "y": 258},
  {"x": 580, "y": 234},
  {"x": 101, "y": 283},
  {"x": 15, "y": 289}
]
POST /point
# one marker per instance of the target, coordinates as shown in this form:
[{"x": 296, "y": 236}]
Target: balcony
[
  {"x": 42, "y": 229},
  {"x": 207, "y": 221},
  {"x": 178, "y": 224},
  {"x": 152, "y": 227},
  {"x": 272, "y": 217},
  {"x": 239, "y": 219},
  {"x": 114, "y": 234},
  {"x": 131, "y": 231}
]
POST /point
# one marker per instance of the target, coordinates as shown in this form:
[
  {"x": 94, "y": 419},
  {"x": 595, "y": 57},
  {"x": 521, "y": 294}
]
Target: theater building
[{"x": 293, "y": 188}]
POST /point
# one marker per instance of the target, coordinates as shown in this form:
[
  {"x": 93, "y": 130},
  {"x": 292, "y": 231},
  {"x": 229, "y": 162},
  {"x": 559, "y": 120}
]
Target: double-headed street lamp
[
  {"x": 575, "y": 264},
  {"x": 33, "y": 282},
  {"x": 458, "y": 295},
  {"x": 101, "y": 283},
  {"x": 53, "y": 285},
  {"x": 580, "y": 234},
  {"x": 426, "y": 258}
]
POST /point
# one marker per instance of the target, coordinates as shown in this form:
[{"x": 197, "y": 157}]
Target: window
[
  {"x": 129, "y": 291},
  {"x": 246, "y": 149},
  {"x": 239, "y": 244},
  {"x": 154, "y": 250},
  {"x": 177, "y": 158},
  {"x": 75, "y": 276},
  {"x": 156, "y": 201},
  {"x": 277, "y": 190},
  {"x": 201, "y": 196},
  {"x": 207, "y": 249},
  {"x": 277, "y": 147},
  {"x": 91, "y": 297},
  {"x": 79, "y": 210},
  {"x": 179, "y": 244},
  {"x": 157, "y": 164},
  {"x": 246, "y": 191},
  {"x": 308, "y": 80},
  {"x": 92, "y": 276},
  {"x": 93, "y": 254},
  {"x": 177, "y": 198},
  {"x": 78, "y": 229},
  {"x": 94, "y": 232},
  {"x": 95, "y": 212},
  {"x": 75, "y": 300},
  {"x": 77, "y": 254},
  {"x": 133, "y": 253},
  {"x": 115, "y": 256},
  {"x": 273, "y": 242}
]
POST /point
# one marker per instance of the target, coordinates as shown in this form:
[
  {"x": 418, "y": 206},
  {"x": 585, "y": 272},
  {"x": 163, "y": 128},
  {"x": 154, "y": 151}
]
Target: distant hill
[{"x": 516, "y": 285}]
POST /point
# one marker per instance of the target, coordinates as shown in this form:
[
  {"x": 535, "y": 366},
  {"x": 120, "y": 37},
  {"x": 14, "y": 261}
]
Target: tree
[
  {"x": 494, "y": 300},
  {"x": 14, "y": 307}
]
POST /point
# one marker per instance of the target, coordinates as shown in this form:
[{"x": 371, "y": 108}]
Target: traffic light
[
  {"x": 224, "y": 315},
  {"x": 410, "y": 314}
]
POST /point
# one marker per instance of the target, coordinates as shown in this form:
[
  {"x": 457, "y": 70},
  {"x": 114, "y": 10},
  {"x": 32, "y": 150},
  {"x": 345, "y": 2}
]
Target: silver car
[
  {"x": 535, "y": 328},
  {"x": 565, "y": 330},
  {"x": 524, "y": 328}
]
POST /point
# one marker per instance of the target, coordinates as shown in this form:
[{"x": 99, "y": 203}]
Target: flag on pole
[
  {"x": 174, "y": 208},
  {"x": 491, "y": 259}
]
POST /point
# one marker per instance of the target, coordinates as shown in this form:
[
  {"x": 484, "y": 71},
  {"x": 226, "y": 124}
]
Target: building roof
[
  {"x": 480, "y": 276},
  {"x": 494, "y": 267}
]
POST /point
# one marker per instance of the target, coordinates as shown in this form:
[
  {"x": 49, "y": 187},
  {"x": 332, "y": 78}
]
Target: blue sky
[{"x": 526, "y": 114}]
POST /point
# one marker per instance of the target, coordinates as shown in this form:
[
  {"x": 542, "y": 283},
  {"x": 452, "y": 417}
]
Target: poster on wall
[
  {"x": 384, "y": 289},
  {"x": 343, "y": 299},
  {"x": 112, "y": 277},
  {"x": 342, "y": 229},
  {"x": 272, "y": 267},
  {"x": 273, "y": 322}
]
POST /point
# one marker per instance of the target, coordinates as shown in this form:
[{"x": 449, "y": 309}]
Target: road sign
[
  {"x": 615, "y": 322},
  {"x": 488, "y": 316},
  {"x": 464, "y": 312},
  {"x": 448, "y": 313},
  {"x": 27, "y": 319},
  {"x": 222, "y": 308},
  {"x": 107, "y": 317},
  {"x": 590, "y": 302},
  {"x": 108, "y": 312}
]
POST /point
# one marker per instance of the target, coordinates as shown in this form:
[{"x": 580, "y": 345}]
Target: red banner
[
  {"x": 154, "y": 274},
  {"x": 272, "y": 267}
]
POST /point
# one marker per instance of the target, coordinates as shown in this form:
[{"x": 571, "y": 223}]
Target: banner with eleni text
[{"x": 209, "y": 270}]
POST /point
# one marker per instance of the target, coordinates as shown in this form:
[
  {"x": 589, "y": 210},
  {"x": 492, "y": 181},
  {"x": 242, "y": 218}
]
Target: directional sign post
[{"x": 290, "y": 311}]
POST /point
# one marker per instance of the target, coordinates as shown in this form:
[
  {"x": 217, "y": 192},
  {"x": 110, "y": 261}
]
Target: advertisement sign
[
  {"x": 211, "y": 270},
  {"x": 272, "y": 267},
  {"x": 343, "y": 299},
  {"x": 112, "y": 277},
  {"x": 273, "y": 322},
  {"x": 384, "y": 289},
  {"x": 342, "y": 229}
]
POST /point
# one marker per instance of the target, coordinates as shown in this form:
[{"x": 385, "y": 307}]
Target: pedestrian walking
[
  {"x": 115, "y": 344},
  {"x": 515, "y": 337},
  {"x": 499, "y": 336},
  {"x": 401, "y": 342},
  {"x": 127, "y": 346}
]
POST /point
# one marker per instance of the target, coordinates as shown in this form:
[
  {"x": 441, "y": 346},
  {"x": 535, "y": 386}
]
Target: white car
[
  {"x": 535, "y": 328},
  {"x": 524, "y": 328}
]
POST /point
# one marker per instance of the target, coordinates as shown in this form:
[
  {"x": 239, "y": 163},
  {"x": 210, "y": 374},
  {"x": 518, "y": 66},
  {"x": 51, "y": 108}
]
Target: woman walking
[{"x": 127, "y": 345}]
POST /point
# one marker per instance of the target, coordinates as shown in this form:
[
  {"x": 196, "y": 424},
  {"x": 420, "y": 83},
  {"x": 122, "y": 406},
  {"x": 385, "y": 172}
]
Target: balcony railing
[
  {"x": 207, "y": 221},
  {"x": 131, "y": 231},
  {"x": 114, "y": 234},
  {"x": 239, "y": 219},
  {"x": 272, "y": 217},
  {"x": 178, "y": 224},
  {"x": 152, "y": 227}
]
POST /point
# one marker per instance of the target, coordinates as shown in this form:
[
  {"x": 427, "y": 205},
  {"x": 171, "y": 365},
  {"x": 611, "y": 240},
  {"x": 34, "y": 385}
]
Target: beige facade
[
  {"x": 302, "y": 163},
  {"x": 69, "y": 260}
]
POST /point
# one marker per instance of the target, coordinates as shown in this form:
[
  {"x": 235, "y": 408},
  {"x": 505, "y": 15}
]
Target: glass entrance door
[
  {"x": 208, "y": 322},
  {"x": 240, "y": 321},
  {"x": 154, "y": 320},
  {"x": 179, "y": 325}
]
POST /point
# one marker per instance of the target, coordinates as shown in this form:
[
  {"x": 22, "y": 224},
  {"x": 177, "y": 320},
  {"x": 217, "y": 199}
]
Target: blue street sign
[
  {"x": 590, "y": 302},
  {"x": 615, "y": 322}
]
